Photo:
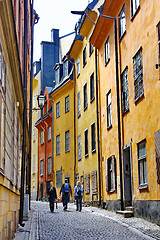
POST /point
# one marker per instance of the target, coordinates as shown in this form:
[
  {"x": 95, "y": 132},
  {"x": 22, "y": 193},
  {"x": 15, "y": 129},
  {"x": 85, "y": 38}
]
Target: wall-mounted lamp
[{"x": 41, "y": 100}]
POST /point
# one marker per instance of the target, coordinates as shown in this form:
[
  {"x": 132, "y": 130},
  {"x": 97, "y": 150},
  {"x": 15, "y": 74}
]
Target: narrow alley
[{"x": 92, "y": 223}]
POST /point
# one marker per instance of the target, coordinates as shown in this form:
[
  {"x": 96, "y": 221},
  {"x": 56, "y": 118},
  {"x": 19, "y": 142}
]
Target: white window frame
[
  {"x": 124, "y": 91},
  {"x": 78, "y": 67},
  {"x": 85, "y": 100},
  {"x": 67, "y": 104},
  {"x": 109, "y": 109},
  {"x": 49, "y": 133},
  {"x": 58, "y": 144},
  {"x": 67, "y": 141},
  {"x": 42, "y": 137},
  {"x": 79, "y": 103},
  {"x": 92, "y": 96},
  {"x": 49, "y": 163},
  {"x": 86, "y": 149},
  {"x": 79, "y": 147},
  {"x": 93, "y": 137},
  {"x": 57, "y": 109},
  {"x": 41, "y": 167},
  {"x": 122, "y": 22},
  {"x": 107, "y": 51},
  {"x": 135, "y": 4}
]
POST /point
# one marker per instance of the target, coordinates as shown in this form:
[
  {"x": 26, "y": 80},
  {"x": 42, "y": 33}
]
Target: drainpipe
[
  {"x": 24, "y": 114},
  {"x": 53, "y": 142},
  {"x": 98, "y": 126},
  {"x": 74, "y": 82},
  {"x": 118, "y": 105}
]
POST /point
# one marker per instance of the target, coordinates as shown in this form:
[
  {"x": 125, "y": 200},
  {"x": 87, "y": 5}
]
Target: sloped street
[{"x": 92, "y": 223}]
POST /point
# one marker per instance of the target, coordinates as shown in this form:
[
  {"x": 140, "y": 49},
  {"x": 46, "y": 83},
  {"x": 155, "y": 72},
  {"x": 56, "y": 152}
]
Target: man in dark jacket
[
  {"x": 52, "y": 195},
  {"x": 66, "y": 191}
]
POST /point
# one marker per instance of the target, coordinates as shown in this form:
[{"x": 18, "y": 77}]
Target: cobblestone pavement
[{"x": 90, "y": 224}]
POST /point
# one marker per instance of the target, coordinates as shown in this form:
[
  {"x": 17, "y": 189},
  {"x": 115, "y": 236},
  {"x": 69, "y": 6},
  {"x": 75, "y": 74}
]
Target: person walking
[
  {"x": 78, "y": 194},
  {"x": 66, "y": 192},
  {"x": 52, "y": 195}
]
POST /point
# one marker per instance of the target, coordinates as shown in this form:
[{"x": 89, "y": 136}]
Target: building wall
[
  {"x": 11, "y": 113},
  {"x": 34, "y": 161},
  {"x": 65, "y": 160},
  {"x": 140, "y": 122}
]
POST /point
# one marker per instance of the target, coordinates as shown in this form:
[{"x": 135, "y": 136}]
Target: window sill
[
  {"x": 133, "y": 16},
  {"x": 78, "y": 75},
  {"x": 139, "y": 99},
  {"x": 125, "y": 112},
  {"x": 121, "y": 37},
  {"x": 67, "y": 111},
  {"x": 92, "y": 100},
  {"x": 84, "y": 64},
  {"x": 42, "y": 143},
  {"x": 41, "y": 175},
  {"x": 93, "y": 151},
  {"x": 79, "y": 159},
  {"x": 106, "y": 63},
  {"x": 109, "y": 127},
  {"x": 90, "y": 53},
  {"x": 78, "y": 115},
  {"x": 86, "y": 155},
  {"x": 85, "y": 108},
  {"x": 67, "y": 151},
  {"x": 143, "y": 186},
  {"x": 48, "y": 140}
]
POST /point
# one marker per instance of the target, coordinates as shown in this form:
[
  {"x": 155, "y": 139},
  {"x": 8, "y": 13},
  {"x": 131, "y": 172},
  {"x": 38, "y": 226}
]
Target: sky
[{"x": 55, "y": 14}]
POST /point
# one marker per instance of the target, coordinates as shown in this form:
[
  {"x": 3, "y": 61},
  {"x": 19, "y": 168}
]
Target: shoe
[
  {"x": 65, "y": 208},
  {"x": 76, "y": 209}
]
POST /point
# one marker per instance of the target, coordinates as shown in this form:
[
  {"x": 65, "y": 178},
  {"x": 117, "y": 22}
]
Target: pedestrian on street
[
  {"x": 52, "y": 195},
  {"x": 78, "y": 194},
  {"x": 66, "y": 192}
]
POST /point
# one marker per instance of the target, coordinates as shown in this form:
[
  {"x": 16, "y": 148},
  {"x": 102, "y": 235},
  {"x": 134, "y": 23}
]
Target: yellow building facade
[
  {"x": 87, "y": 107},
  {"x": 35, "y": 116},
  {"x": 138, "y": 32},
  {"x": 62, "y": 96}
]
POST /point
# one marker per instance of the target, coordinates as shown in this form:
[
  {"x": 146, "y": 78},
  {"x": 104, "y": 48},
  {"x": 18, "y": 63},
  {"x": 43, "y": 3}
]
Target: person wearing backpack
[
  {"x": 66, "y": 192},
  {"x": 78, "y": 194}
]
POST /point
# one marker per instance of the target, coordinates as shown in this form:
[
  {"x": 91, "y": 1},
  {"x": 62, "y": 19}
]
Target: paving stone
[{"x": 90, "y": 224}]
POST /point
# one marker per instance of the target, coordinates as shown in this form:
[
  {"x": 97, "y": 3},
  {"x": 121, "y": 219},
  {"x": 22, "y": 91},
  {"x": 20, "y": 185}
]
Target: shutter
[
  {"x": 114, "y": 172},
  {"x": 94, "y": 182},
  {"x": 107, "y": 175},
  {"x": 157, "y": 149},
  {"x": 87, "y": 183}
]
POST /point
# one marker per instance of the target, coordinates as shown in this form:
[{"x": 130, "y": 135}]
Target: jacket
[{"x": 76, "y": 189}]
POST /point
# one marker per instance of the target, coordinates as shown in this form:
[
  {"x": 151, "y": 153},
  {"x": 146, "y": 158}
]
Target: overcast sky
[{"x": 54, "y": 14}]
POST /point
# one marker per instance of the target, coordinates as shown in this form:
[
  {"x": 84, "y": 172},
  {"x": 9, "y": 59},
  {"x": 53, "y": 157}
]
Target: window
[
  {"x": 57, "y": 76},
  {"x": 122, "y": 22},
  {"x": 2, "y": 133},
  {"x": 124, "y": 89},
  {"x": 57, "y": 109},
  {"x": 59, "y": 178},
  {"x": 65, "y": 69},
  {"x": 109, "y": 110},
  {"x": 67, "y": 141},
  {"x": 134, "y": 7},
  {"x": 111, "y": 174},
  {"x": 85, "y": 96},
  {"x": 33, "y": 163},
  {"x": 49, "y": 165},
  {"x": 107, "y": 51},
  {"x": 78, "y": 67},
  {"x": 90, "y": 49},
  {"x": 79, "y": 103},
  {"x": 94, "y": 182},
  {"x": 42, "y": 137},
  {"x": 57, "y": 144},
  {"x": 92, "y": 87},
  {"x": 157, "y": 148},
  {"x": 138, "y": 75},
  {"x": 41, "y": 167},
  {"x": 93, "y": 137},
  {"x": 67, "y": 104},
  {"x": 84, "y": 56},
  {"x": 158, "y": 28},
  {"x": 142, "y": 163},
  {"x": 87, "y": 184},
  {"x": 49, "y": 133},
  {"x": 2, "y": 70},
  {"x": 34, "y": 132},
  {"x": 79, "y": 147},
  {"x": 86, "y": 142}
]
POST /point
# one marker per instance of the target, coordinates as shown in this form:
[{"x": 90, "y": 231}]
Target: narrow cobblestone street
[{"x": 92, "y": 223}]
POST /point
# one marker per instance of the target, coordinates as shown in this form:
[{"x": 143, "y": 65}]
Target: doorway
[{"x": 127, "y": 168}]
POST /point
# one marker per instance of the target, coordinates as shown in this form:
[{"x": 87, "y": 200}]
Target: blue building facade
[{"x": 50, "y": 56}]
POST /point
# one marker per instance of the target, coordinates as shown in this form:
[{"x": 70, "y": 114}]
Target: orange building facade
[
  {"x": 45, "y": 166},
  {"x": 130, "y": 125}
]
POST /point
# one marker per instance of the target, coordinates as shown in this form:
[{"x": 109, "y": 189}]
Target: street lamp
[{"x": 41, "y": 100}]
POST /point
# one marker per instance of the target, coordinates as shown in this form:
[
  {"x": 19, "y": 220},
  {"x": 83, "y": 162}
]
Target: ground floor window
[{"x": 142, "y": 163}]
